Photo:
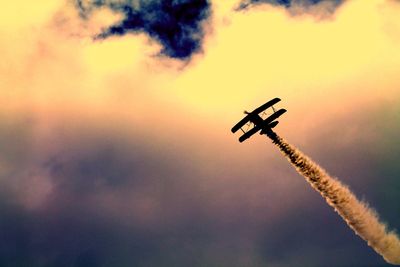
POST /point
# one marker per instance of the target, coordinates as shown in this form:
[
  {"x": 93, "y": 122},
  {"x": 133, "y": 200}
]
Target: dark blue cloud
[
  {"x": 178, "y": 25},
  {"x": 305, "y": 4},
  {"x": 203, "y": 217}
]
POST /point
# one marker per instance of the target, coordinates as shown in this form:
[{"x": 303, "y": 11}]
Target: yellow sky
[{"x": 51, "y": 66}]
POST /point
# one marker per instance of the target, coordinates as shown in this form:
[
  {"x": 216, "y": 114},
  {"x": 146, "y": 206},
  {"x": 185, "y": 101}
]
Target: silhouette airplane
[{"x": 265, "y": 125}]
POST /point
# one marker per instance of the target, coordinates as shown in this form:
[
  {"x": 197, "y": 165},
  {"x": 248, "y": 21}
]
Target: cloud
[
  {"x": 177, "y": 25},
  {"x": 118, "y": 198},
  {"x": 319, "y": 8}
]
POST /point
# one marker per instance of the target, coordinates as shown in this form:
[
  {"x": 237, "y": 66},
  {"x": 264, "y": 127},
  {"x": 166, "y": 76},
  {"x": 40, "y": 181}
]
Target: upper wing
[
  {"x": 256, "y": 111},
  {"x": 240, "y": 124},
  {"x": 249, "y": 133},
  {"x": 268, "y": 123},
  {"x": 273, "y": 117},
  {"x": 266, "y": 105}
]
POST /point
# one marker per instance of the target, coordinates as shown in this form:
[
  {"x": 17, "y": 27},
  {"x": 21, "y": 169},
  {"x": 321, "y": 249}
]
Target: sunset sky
[{"x": 115, "y": 142}]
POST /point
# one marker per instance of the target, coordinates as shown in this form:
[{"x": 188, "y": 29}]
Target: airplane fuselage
[
  {"x": 264, "y": 126},
  {"x": 255, "y": 119}
]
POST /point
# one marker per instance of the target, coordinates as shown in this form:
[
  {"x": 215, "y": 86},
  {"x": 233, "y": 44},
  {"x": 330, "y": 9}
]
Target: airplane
[{"x": 265, "y": 125}]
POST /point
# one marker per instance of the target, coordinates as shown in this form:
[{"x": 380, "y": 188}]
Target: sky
[{"x": 115, "y": 142}]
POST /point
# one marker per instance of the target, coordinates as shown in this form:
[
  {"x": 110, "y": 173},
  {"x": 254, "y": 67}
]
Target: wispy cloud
[{"x": 319, "y": 8}]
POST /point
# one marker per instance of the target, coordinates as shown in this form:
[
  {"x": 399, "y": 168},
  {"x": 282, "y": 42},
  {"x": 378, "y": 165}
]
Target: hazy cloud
[
  {"x": 117, "y": 202},
  {"x": 298, "y": 7}
]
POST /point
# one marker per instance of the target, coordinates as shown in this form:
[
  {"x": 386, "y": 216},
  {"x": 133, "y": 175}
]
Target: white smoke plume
[{"x": 362, "y": 219}]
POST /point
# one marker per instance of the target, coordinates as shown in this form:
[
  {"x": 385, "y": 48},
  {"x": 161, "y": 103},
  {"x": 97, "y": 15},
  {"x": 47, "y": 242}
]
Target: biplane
[{"x": 255, "y": 120}]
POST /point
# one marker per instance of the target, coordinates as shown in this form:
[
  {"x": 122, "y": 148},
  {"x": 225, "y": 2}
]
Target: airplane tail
[{"x": 268, "y": 129}]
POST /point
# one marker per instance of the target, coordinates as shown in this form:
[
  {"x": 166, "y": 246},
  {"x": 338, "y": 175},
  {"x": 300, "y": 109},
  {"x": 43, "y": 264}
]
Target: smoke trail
[{"x": 363, "y": 220}]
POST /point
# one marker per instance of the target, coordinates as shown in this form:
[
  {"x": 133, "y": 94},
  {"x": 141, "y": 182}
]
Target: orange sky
[
  {"x": 65, "y": 100},
  {"x": 47, "y": 65},
  {"x": 325, "y": 70}
]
